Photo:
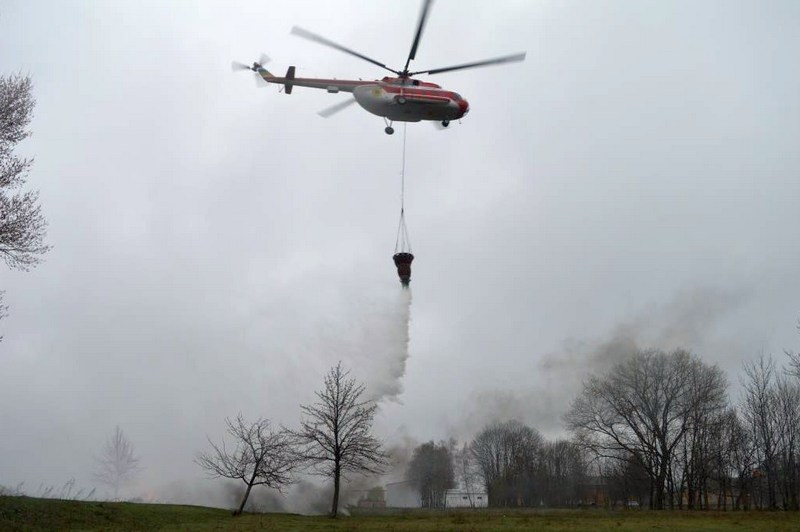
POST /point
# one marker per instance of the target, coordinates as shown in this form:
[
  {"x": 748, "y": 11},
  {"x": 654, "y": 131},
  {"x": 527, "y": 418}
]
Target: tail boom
[{"x": 289, "y": 81}]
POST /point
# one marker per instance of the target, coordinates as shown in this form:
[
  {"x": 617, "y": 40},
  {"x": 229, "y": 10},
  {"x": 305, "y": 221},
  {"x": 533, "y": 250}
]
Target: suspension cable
[
  {"x": 402, "y": 243},
  {"x": 403, "y": 172}
]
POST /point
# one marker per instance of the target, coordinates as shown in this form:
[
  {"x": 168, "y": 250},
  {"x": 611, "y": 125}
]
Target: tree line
[
  {"x": 658, "y": 430},
  {"x": 661, "y": 428}
]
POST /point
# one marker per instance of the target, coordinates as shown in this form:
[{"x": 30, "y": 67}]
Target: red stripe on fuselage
[
  {"x": 411, "y": 90},
  {"x": 415, "y": 91}
]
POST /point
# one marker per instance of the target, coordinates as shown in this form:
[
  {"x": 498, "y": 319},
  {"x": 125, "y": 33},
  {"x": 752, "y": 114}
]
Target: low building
[
  {"x": 373, "y": 498},
  {"x": 593, "y": 491},
  {"x": 405, "y": 494},
  {"x": 462, "y": 498}
]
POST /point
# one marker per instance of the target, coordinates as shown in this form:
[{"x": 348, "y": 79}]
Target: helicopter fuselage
[
  {"x": 402, "y": 98},
  {"x": 397, "y": 99}
]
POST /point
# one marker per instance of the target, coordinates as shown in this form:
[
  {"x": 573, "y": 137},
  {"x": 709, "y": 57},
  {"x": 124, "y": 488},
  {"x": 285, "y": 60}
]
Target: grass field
[{"x": 25, "y": 513}]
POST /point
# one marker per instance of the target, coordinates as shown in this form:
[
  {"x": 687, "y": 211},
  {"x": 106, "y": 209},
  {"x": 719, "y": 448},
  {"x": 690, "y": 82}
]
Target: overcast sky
[{"x": 218, "y": 247}]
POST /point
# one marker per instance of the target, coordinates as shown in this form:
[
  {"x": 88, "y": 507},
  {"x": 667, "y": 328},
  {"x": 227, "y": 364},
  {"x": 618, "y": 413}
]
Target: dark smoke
[
  {"x": 690, "y": 320},
  {"x": 309, "y": 498}
]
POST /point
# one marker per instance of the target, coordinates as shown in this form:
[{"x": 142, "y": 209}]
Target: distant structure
[
  {"x": 594, "y": 491},
  {"x": 373, "y": 498},
  {"x": 462, "y": 498},
  {"x": 405, "y": 494}
]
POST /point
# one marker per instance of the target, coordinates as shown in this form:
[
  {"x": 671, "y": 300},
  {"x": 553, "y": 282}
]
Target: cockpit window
[{"x": 457, "y": 96}]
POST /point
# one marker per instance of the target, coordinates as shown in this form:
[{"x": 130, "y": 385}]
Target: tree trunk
[
  {"x": 690, "y": 494},
  {"x": 660, "y": 486},
  {"x": 244, "y": 500},
  {"x": 336, "y": 476},
  {"x": 793, "y": 472},
  {"x": 652, "y": 494}
]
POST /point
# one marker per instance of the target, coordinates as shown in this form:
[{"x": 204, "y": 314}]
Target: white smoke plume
[{"x": 385, "y": 347}]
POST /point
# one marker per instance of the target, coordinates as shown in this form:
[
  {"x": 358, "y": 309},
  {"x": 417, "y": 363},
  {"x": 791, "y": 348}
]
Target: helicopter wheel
[
  {"x": 389, "y": 130},
  {"x": 401, "y": 100},
  {"x": 445, "y": 123}
]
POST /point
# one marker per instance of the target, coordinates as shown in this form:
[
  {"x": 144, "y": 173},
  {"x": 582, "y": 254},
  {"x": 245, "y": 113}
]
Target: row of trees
[
  {"x": 334, "y": 439},
  {"x": 520, "y": 468},
  {"x": 649, "y": 409},
  {"x": 511, "y": 461},
  {"x": 659, "y": 428},
  {"x": 765, "y": 436}
]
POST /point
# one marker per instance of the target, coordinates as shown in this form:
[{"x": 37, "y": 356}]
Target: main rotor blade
[
  {"x": 426, "y": 5},
  {"x": 300, "y": 32},
  {"x": 325, "y": 113},
  {"x": 495, "y": 61}
]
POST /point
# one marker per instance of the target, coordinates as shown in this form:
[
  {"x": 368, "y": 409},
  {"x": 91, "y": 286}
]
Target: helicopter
[{"x": 399, "y": 98}]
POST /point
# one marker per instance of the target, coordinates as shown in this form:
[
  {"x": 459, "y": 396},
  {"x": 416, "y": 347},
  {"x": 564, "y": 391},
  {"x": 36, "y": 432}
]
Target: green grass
[{"x": 29, "y": 514}]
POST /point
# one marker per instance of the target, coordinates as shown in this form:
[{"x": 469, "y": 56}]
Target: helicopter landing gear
[
  {"x": 389, "y": 129},
  {"x": 445, "y": 123},
  {"x": 401, "y": 100}
]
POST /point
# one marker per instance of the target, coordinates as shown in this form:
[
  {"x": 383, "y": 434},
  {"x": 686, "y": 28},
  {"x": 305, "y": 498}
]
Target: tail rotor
[{"x": 255, "y": 68}]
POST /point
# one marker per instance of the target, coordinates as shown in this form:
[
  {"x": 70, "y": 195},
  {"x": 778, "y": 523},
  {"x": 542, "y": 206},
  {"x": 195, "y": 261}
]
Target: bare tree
[
  {"x": 22, "y": 226},
  {"x": 335, "y": 432},
  {"x": 118, "y": 464},
  {"x": 562, "y": 473},
  {"x": 741, "y": 458},
  {"x": 787, "y": 395},
  {"x": 431, "y": 469},
  {"x": 625, "y": 479},
  {"x": 644, "y": 408},
  {"x": 789, "y": 402},
  {"x": 697, "y": 452},
  {"x": 261, "y": 456},
  {"x": 760, "y": 411},
  {"x": 520, "y": 468},
  {"x": 720, "y": 457},
  {"x": 770, "y": 412},
  {"x": 794, "y": 359},
  {"x": 508, "y": 455}
]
